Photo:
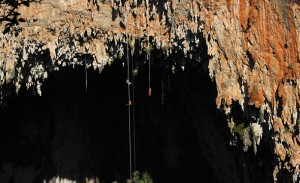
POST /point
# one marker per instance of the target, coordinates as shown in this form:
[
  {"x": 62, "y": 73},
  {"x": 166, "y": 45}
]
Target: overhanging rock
[{"x": 253, "y": 46}]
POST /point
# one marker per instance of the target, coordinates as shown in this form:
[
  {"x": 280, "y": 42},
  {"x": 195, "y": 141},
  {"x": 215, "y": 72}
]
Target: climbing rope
[
  {"x": 162, "y": 93},
  {"x": 86, "y": 79},
  {"x": 149, "y": 68},
  {"x": 133, "y": 112},
  {"x": 129, "y": 108}
]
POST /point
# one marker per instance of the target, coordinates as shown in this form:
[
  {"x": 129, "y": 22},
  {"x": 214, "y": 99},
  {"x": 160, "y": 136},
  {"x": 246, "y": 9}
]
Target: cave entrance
[{"x": 77, "y": 134}]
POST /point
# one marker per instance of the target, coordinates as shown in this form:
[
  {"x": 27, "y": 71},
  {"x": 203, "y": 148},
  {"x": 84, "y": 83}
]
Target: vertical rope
[
  {"x": 86, "y": 79},
  {"x": 149, "y": 68},
  {"x": 129, "y": 109},
  {"x": 162, "y": 93},
  {"x": 149, "y": 78},
  {"x": 133, "y": 114}
]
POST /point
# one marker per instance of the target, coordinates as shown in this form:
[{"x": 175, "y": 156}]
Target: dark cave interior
[{"x": 73, "y": 133}]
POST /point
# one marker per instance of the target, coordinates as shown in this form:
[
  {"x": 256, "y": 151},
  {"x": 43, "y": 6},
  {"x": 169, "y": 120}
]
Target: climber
[
  {"x": 128, "y": 82},
  {"x": 149, "y": 92},
  {"x": 129, "y": 103}
]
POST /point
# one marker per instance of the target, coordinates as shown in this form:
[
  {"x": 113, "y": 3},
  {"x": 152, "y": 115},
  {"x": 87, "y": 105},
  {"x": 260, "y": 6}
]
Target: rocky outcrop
[{"x": 253, "y": 46}]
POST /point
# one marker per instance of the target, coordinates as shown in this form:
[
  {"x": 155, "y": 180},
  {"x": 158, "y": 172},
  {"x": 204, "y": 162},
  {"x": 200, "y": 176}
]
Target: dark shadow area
[{"x": 77, "y": 134}]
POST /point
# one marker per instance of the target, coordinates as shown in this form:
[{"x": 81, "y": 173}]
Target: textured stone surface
[{"x": 253, "y": 46}]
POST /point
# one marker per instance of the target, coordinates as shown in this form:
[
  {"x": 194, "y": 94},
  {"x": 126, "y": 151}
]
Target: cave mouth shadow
[{"x": 77, "y": 134}]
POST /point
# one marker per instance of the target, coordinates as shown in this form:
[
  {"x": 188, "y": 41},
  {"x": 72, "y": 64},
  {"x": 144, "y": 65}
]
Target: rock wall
[{"x": 253, "y": 46}]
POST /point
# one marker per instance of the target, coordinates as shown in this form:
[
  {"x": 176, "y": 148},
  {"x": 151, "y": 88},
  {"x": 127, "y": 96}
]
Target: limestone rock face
[{"x": 253, "y": 46}]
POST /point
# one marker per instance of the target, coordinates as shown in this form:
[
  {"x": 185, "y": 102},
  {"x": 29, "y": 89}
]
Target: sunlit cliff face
[{"x": 251, "y": 47}]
